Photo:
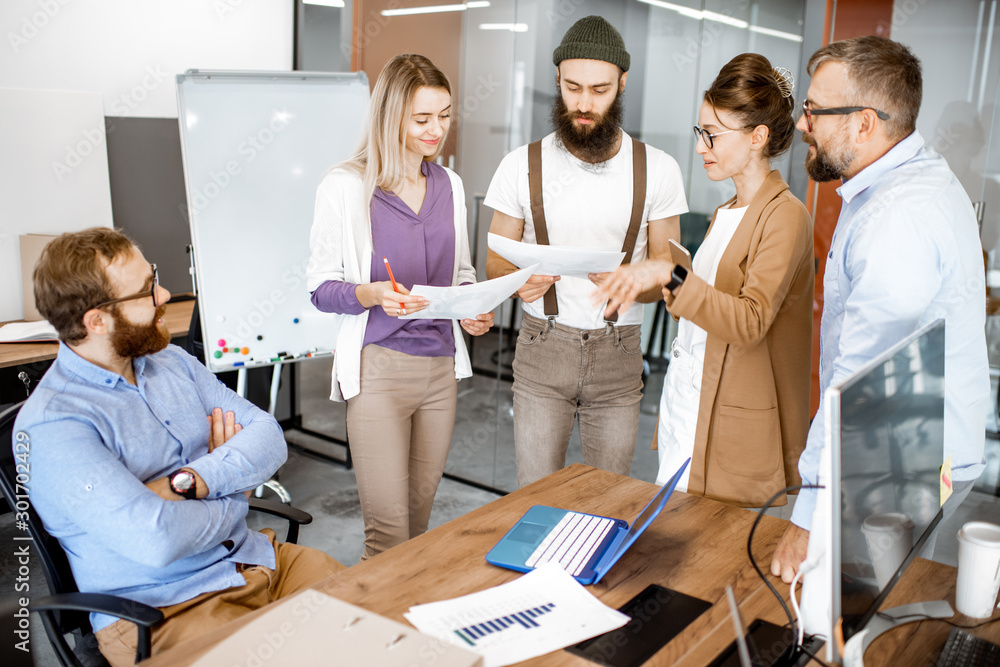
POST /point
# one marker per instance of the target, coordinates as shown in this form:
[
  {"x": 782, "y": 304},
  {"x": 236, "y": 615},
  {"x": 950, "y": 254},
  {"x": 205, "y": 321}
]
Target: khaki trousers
[
  {"x": 296, "y": 569},
  {"x": 561, "y": 373},
  {"x": 400, "y": 428}
]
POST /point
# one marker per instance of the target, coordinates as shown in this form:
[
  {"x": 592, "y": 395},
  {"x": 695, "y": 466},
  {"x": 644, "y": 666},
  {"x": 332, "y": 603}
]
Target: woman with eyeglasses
[
  {"x": 736, "y": 394},
  {"x": 388, "y": 219}
]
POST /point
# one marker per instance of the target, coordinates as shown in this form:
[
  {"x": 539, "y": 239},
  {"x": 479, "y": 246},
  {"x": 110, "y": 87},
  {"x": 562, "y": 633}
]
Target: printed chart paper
[{"x": 542, "y": 611}]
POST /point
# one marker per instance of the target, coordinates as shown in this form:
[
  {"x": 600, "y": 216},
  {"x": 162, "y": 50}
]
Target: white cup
[
  {"x": 978, "y": 569},
  {"x": 890, "y": 537}
]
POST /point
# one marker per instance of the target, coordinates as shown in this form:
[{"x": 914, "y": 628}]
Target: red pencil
[{"x": 388, "y": 268}]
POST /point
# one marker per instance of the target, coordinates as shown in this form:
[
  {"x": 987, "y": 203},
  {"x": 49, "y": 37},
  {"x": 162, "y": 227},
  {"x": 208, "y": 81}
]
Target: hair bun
[{"x": 783, "y": 77}]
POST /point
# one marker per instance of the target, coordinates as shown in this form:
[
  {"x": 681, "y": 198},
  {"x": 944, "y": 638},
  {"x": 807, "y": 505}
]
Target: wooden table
[
  {"x": 177, "y": 319},
  {"x": 697, "y": 546}
]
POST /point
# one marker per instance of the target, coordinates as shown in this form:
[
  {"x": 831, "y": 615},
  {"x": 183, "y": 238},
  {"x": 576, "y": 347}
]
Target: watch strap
[{"x": 677, "y": 277}]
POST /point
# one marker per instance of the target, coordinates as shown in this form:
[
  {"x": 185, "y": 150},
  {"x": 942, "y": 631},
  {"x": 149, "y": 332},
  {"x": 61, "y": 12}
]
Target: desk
[
  {"x": 697, "y": 546},
  {"x": 177, "y": 319}
]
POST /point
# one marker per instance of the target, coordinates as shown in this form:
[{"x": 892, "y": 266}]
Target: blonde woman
[
  {"x": 398, "y": 376},
  {"x": 736, "y": 395}
]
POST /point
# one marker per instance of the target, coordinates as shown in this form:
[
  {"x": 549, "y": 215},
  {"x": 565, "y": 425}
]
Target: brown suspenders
[{"x": 538, "y": 209}]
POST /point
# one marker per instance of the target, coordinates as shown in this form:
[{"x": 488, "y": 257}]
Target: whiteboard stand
[{"x": 241, "y": 389}]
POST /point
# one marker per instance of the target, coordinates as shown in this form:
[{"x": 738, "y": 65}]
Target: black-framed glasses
[
  {"x": 138, "y": 295},
  {"x": 707, "y": 136},
  {"x": 835, "y": 111}
]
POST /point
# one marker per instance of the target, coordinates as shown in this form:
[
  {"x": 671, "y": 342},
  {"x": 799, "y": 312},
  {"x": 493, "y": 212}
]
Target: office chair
[{"x": 66, "y": 610}]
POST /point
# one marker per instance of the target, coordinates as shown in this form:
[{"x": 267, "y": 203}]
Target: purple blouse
[{"x": 420, "y": 248}]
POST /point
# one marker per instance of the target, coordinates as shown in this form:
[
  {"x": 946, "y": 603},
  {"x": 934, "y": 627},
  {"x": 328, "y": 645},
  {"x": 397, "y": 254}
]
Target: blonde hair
[{"x": 380, "y": 156}]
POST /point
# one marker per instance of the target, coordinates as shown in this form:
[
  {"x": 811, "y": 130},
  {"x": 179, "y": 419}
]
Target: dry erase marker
[{"x": 388, "y": 268}]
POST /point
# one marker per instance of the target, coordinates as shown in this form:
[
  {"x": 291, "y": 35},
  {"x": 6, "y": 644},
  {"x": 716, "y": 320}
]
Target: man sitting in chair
[{"x": 141, "y": 460}]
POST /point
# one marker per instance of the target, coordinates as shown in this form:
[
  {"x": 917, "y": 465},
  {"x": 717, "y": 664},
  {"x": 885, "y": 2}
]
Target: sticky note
[{"x": 946, "y": 484}]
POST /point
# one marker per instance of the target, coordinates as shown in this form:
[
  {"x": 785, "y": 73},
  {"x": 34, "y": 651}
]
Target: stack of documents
[
  {"x": 28, "y": 332},
  {"x": 543, "y": 611}
]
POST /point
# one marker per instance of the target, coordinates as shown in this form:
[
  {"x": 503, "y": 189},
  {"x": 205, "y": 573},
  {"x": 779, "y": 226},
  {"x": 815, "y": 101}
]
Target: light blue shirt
[
  {"x": 906, "y": 251},
  {"x": 95, "y": 440}
]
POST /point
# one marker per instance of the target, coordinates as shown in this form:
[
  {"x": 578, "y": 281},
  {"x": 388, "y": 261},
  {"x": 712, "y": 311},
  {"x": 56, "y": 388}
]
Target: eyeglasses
[
  {"x": 138, "y": 295},
  {"x": 707, "y": 136},
  {"x": 834, "y": 111}
]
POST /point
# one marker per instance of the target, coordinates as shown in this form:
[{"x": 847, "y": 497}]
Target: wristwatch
[
  {"x": 677, "y": 277},
  {"x": 182, "y": 482}
]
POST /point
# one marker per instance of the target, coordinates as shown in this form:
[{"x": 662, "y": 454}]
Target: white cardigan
[{"x": 340, "y": 244}]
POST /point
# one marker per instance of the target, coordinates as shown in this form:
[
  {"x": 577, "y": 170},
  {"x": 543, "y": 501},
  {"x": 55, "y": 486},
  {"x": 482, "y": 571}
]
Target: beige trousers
[
  {"x": 296, "y": 569},
  {"x": 400, "y": 428}
]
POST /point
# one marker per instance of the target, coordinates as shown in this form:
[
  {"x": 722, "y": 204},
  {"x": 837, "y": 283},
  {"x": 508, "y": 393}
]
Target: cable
[
  {"x": 753, "y": 561},
  {"x": 800, "y": 639}
]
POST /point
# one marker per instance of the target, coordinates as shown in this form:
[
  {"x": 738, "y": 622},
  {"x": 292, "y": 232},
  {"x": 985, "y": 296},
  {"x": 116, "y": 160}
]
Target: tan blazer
[{"x": 753, "y": 416}]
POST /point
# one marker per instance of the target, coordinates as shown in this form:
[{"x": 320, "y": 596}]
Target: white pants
[{"x": 678, "y": 414}]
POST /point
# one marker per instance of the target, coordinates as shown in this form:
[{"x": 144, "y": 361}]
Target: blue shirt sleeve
[
  {"x": 251, "y": 456},
  {"x": 79, "y": 484}
]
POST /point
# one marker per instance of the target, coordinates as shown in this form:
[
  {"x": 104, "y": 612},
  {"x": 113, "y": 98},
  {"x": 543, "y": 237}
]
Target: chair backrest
[{"x": 15, "y": 483}]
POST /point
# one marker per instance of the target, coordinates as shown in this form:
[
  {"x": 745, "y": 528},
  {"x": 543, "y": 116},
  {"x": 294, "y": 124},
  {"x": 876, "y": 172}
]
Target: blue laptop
[{"x": 584, "y": 545}]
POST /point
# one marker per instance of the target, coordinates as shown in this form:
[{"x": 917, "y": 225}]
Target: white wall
[
  {"x": 120, "y": 58},
  {"x": 130, "y": 50}
]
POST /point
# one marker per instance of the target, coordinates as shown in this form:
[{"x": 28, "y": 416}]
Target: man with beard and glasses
[
  {"x": 575, "y": 187},
  {"x": 142, "y": 461},
  {"x": 905, "y": 252}
]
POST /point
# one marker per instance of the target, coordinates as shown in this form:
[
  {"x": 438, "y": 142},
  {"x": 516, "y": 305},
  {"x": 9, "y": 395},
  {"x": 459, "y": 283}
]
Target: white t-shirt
[
  {"x": 706, "y": 265},
  {"x": 589, "y": 206}
]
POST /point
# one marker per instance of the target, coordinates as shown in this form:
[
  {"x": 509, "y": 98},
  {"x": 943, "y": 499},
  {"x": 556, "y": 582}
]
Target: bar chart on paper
[
  {"x": 527, "y": 619},
  {"x": 542, "y": 611}
]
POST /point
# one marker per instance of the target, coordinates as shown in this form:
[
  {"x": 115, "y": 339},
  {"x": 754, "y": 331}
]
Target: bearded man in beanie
[{"x": 591, "y": 185}]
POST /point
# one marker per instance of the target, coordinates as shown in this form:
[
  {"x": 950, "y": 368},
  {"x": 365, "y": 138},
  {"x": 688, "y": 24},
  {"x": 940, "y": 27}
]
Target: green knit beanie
[{"x": 593, "y": 38}]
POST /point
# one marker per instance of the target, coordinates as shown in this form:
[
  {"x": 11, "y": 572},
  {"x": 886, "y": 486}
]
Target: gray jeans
[{"x": 561, "y": 373}]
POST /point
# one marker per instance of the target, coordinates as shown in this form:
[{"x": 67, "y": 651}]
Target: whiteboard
[
  {"x": 53, "y": 175},
  {"x": 255, "y": 147}
]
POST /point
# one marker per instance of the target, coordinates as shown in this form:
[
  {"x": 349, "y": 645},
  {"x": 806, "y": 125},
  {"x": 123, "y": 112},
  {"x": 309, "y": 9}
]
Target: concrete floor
[{"x": 482, "y": 451}]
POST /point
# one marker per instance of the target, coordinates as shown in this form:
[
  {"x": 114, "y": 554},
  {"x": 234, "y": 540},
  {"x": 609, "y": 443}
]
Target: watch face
[{"x": 182, "y": 482}]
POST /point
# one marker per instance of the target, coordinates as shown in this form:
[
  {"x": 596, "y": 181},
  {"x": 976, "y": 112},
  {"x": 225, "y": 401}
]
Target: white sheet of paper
[
  {"x": 496, "y": 622},
  {"x": 466, "y": 301},
  {"x": 555, "y": 260}
]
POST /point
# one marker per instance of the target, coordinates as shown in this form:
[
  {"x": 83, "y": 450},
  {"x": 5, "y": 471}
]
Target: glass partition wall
[{"x": 498, "y": 55}]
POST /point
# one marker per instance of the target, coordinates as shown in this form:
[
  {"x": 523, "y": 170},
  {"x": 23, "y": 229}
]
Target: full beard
[
  {"x": 824, "y": 166},
  {"x": 130, "y": 341},
  {"x": 591, "y": 143}
]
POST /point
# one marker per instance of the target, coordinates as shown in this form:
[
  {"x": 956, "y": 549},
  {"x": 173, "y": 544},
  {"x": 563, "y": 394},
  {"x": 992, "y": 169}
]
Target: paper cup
[
  {"x": 890, "y": 537},
  {"x": 978, "y": 569}
]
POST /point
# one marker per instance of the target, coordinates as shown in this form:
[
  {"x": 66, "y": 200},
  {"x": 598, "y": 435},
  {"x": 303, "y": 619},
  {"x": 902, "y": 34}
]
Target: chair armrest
[
  {"x": 295, "y": 516},
  {"x": 143, "y": 615},
  {"x": 129, "y": 610}
]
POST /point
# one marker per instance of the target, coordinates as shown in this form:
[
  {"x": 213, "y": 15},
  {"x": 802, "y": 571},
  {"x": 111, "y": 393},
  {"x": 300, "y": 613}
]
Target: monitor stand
[
  {"x": 856, "y": 646},
  {"x": 770, "y": 646}
]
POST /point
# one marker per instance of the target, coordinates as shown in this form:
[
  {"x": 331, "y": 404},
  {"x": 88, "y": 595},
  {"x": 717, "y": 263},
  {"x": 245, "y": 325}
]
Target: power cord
[{"x": 760, "y": 573}]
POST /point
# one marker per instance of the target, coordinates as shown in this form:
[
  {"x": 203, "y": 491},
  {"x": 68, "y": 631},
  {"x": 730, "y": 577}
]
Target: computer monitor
[{"x": 885, "y": 446}]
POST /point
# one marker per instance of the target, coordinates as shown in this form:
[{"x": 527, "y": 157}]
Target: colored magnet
[
  {"x": 245, "y": 351},
  {"x": 296, "y": 320},
  {"x": 222, "y": 342},
  {"x": 217, "y": 354}
]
